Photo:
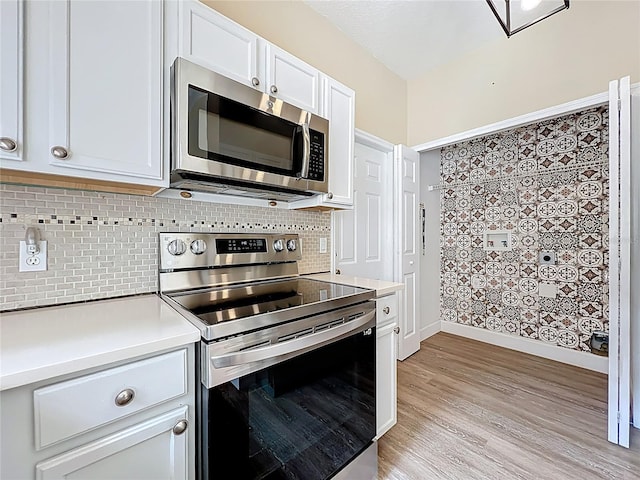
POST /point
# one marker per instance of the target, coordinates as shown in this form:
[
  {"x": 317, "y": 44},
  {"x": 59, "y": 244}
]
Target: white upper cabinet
[
  {"x": 11, "y": 86},
  {"x": 215, "y": 42},
  {"x": 339, "y": 108},
  {"x": 105, "y": 87},
  {"x": 219, "y": 44},
  {"x": 292, "y": 80},
  {"x": 93, "y": 89}
]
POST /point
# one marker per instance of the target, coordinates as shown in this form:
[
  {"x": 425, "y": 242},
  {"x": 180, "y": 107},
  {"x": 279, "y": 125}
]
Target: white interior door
[
  {"x": 407, "y": 266},
  {"x": 363, "y": 237},
  {"x": 635, "y": 256},
  {"x": 619, "y": 261}
]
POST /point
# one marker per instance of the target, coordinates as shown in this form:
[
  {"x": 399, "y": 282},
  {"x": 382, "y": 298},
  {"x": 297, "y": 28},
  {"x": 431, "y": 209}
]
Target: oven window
[
  {"x": 304, "y": 418},
  {"x": 227, "y": 131}
]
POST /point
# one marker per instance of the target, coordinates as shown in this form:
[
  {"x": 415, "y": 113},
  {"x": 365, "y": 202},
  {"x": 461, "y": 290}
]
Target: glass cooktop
[{"x": 299, "y": 297}]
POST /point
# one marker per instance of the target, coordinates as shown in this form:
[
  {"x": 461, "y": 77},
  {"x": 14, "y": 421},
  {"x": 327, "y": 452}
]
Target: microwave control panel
[{"x": 316, "y": 159}]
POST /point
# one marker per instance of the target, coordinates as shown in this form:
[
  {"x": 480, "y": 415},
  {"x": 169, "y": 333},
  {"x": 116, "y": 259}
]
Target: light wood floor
[{"x": 468, "y": 410}]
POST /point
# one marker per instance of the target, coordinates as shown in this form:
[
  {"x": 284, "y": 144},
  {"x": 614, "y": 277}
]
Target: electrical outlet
[
  {"x": 323, "y": 245},
  {"x": 32, "y": 263}
]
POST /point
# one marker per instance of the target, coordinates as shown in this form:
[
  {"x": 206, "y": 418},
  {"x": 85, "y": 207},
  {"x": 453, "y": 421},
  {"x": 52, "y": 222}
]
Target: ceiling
[{"x": 412, "y": 37}]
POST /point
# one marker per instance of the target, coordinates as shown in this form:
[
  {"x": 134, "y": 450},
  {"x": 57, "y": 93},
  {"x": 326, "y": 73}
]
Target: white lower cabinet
[
  {"x": 131, "y": 420},
  {"x": 153, "y": 449},
  {"x": 386, "y": 369}
]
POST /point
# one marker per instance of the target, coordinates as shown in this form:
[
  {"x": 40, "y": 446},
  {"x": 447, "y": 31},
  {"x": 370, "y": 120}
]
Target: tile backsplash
[
  {"x": 104, "y": 245},
  {"x": 547, "y": 184}
]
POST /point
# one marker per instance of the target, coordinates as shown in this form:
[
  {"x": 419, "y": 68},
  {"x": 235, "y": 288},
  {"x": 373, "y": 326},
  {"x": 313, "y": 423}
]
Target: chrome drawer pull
[
  {"x": 180, "y": 427},
  {"x": 125, "y": 397},
  {"x": 60, "y": 152},
  {"x": 386, "y": 310},
  {"x": 8, "y": 144}
]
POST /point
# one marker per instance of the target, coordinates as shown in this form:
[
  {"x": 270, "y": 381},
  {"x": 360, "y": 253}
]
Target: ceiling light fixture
[
  {"x": 516, "y": 15},
  {"x": 529, "y": 4}
]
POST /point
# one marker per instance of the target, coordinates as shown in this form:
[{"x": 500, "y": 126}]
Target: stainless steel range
[{"x": 286, "y": 364}]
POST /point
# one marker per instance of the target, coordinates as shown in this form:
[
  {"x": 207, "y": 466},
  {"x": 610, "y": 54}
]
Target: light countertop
[
  {"x": 381, "y": 287},
  {"x": 42, "y": 343}
]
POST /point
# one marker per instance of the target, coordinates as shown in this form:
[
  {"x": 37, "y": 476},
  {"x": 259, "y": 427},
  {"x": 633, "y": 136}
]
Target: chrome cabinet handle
[
  {"x": 330, "y": 195},
  {"x": 386, "y": 310},
  {"x": 274, "y": 89},
  {"x": 255, "y": 81},
  {"x": 8, "y": 144},
  {"x": 125, "y": 397},
  {"x": 396, "y": 330},
  {"x": 338, "y": 272},
  {"x": 60, "y": 152},
  {"x": 180, "y": 427}
]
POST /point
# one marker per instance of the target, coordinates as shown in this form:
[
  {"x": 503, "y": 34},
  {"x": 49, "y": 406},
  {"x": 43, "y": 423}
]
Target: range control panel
[{"x": 208, "y": 250}]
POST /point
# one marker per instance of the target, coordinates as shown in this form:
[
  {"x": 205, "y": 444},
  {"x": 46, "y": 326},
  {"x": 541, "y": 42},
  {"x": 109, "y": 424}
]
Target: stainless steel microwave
[{"x": 229, "y": 138}]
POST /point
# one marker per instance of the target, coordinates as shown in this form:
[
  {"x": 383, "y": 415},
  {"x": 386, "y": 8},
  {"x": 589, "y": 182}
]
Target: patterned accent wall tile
[
  {"x": 546, "y": 183},
  {"x": 104, "y": 245}
]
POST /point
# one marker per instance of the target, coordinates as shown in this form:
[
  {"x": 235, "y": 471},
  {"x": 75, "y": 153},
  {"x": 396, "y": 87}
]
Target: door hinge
[{"x": 619, "y": 104}]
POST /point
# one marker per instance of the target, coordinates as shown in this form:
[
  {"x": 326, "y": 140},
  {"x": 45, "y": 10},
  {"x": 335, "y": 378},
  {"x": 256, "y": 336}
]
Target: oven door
[{"x": 302, "y": 418}]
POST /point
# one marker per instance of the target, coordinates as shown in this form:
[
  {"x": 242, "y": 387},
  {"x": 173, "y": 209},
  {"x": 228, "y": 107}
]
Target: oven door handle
[{"x": 298, "y": 345}]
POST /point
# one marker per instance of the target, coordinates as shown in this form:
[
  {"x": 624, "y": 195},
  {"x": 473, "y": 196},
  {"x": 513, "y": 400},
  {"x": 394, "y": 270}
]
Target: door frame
[
  {"x": 546, "y": 114},
  {"x": 369, "y": 140}
]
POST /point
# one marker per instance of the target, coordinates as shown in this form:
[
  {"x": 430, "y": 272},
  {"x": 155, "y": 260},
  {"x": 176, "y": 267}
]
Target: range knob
[
  {"x": 278, "y": 245},
  {"x": 198, "y": 247},
  {"x": 291, "y": 245},
  {"x": 176, "y": 247}
]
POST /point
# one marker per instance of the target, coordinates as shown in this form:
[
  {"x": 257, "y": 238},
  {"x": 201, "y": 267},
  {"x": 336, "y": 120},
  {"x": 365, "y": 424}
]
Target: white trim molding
[
  {"x": 532, "y": 347},
  {"x": 527, "y": 118},
  {"x": 429, "y": 330},
  {"x": 364, "y": 138}
]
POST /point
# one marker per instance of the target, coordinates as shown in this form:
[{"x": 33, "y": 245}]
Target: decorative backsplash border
[{"x": 103, "y": 245}]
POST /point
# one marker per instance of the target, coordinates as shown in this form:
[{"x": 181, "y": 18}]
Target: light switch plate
[
  {"x": 323, "y": 245},
  {"x": 32, "y": 263},
  {"x": 549, "y": 290}
]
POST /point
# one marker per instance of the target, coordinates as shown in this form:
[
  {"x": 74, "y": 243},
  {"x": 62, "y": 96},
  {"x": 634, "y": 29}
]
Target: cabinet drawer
[
  {"x": 386, "y": 309},
  {"x": 76, "y": 406}
]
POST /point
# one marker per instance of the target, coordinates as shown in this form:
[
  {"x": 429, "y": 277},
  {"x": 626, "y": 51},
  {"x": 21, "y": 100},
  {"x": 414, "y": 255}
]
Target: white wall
[
  {"x": 570, "y": 55},
  {"x": 381, "y": 95},
  {"x": 430, "y": 262}
]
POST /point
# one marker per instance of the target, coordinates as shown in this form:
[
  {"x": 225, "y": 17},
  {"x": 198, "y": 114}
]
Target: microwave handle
[{"x": 306, "y": 149}]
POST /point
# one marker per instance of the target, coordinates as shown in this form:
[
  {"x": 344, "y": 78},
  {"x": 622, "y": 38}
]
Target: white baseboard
[
  {"x": 429, "y": 330},
  {"x": 532, "y": 347}
]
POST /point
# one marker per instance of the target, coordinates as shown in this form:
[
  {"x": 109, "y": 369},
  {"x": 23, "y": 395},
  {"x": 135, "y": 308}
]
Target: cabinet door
[
  {"x": 215, "y": 42},
  {"x": 386, "y": 388},
  {"x": 105, "y": 89},
  {"x": 11, "y": 77},
  {"x": 150, "y": 450},
  {"x": 340, "y": 110},
  {"x": 291, "y": 79}
]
